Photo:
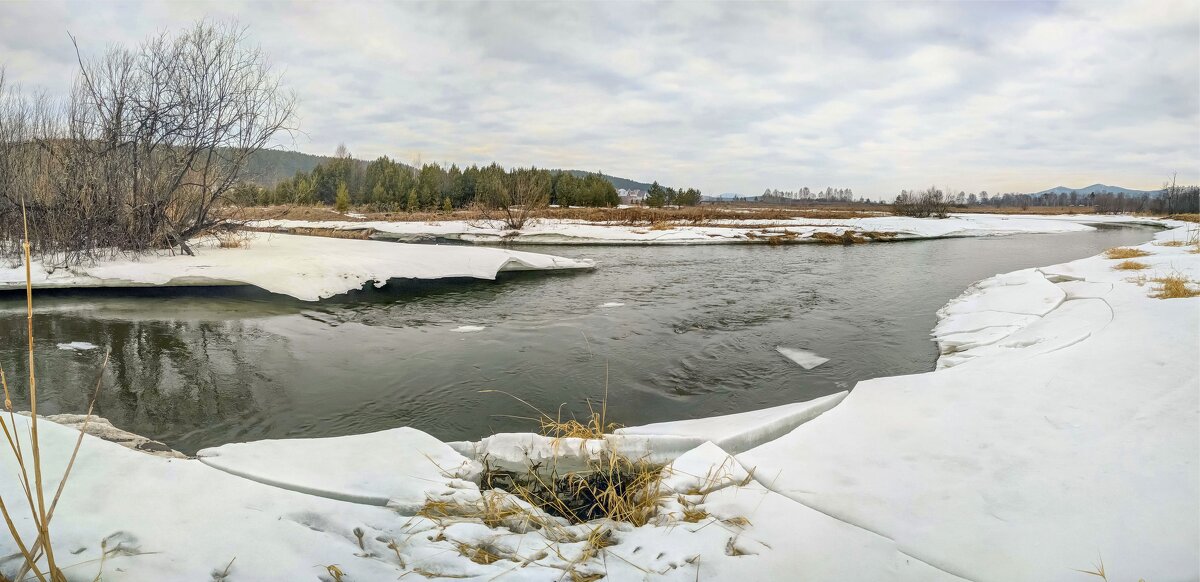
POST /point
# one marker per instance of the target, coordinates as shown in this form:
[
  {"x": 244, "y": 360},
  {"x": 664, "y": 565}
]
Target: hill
[
  {"x": 269, "y": 167},
  {"x": 617, "y": 182},
  {"x": 1099, "y": 189}
]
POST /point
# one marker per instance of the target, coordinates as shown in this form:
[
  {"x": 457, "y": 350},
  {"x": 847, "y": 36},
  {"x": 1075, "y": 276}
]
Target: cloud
[{"x": 1002, "y": 96}]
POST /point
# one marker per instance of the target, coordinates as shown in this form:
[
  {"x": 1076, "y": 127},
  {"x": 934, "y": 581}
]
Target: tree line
[
  {"x": 386, "y": 184},
  {"x": 933, "y": 201}
]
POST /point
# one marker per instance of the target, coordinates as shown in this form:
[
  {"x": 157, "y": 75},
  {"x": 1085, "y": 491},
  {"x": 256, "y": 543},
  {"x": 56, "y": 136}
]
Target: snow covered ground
[
  {"x": 556, "y": 231},
  {"x": 1062, "y": 428},
  {"x": 306, "y": 267}
]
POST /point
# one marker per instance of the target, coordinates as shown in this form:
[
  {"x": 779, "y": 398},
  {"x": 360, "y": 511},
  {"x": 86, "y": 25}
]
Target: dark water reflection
[{"x": 696, "y": 336}]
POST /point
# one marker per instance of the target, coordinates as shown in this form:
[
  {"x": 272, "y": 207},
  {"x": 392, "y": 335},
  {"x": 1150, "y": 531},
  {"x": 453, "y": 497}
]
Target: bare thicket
[
  {"x": 929, "y": 202},
  {"x": 514, "y": 198},
  {"x": 148, "y": 143}
]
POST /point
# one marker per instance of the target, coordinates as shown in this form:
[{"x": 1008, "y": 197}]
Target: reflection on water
[{"x": 696, "y": 336}]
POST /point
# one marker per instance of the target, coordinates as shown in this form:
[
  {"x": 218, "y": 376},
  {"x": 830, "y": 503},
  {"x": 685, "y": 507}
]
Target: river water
[{"x": 696, "y": 335}]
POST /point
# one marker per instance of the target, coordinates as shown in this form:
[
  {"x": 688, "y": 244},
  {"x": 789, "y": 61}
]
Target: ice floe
[
  {"x": 77, "y": 346},
  {"x": 468, "y": 328},
  {"x": 806, "y": 359}
]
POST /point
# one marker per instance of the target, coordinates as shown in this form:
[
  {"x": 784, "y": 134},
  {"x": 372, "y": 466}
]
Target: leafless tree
[{"x": 150, "y": 141}]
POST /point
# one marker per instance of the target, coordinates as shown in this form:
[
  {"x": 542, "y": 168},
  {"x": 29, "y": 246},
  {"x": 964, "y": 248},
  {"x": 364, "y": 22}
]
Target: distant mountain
[
  {"x": 1099, "y": 189},
  {"x": 617, "y": 183}
]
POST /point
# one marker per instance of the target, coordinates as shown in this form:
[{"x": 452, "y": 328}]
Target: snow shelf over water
[
  {"x": 556, "y": 231},
  {"x": 306, "y": 267},
  {"x": 1068, "y": 437}
]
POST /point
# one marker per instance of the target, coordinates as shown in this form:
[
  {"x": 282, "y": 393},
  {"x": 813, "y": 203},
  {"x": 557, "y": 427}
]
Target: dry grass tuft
[
  {"x": 231, "y": 239},
  {"x": 848, "y": 237},
  {"x": 1173, "y": 287},
  {"x": 694, "y": 514},
  {"x": 1125, "y": 253},
  {"x": 1130, "y": 266},
  {"x": 1170, "y": 243},
  {"x": 479, "y": 554}
]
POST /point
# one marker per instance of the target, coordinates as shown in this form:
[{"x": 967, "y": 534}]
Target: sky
[{"x": 725, "y": 97}]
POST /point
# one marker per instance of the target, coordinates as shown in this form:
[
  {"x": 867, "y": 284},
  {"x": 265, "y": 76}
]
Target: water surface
[{"x": 696, "y": 336}]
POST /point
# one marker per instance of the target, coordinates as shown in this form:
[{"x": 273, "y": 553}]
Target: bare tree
[
  {"x": 515, "y": 198},
  {"x": 149, "y": 142}
]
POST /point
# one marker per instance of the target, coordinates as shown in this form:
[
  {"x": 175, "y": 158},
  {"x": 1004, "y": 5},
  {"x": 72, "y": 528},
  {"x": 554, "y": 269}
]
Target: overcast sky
[{"x": 727, "y": 97}]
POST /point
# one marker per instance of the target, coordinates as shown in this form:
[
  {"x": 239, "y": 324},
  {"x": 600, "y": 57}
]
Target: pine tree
[{"x": 342, "y": 201}]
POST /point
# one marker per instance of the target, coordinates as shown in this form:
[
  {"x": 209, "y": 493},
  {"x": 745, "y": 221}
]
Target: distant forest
[{"x": 384, "y": 183}]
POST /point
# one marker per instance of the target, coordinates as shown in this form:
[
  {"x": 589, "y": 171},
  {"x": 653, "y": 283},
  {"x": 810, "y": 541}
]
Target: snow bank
[
  {"x": 556, "y": 231},
  {"x": 306, "y": 267},
  {"x": 1069, "y": 439},
  {"x": 744, "y": 430},
  {"x": 350, "y": 468}
]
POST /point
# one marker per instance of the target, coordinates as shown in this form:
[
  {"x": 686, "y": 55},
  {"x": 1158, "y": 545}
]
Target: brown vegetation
[
  {"x": 1174, "y": 287},
  {"x": 1125, "y": 253},
  {"x": 1130, "y": 266}
]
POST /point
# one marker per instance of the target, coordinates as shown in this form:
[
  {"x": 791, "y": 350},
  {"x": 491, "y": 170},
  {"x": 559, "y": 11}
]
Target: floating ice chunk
[
  {"x": 807, "y": 360},
  {"x": 612, "y": 304},
  {"x": 468, "y": 328},
  {"x": 77, "y": 346}
]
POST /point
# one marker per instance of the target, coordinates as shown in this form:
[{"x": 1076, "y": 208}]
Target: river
[{"x": 696, "y": 336}]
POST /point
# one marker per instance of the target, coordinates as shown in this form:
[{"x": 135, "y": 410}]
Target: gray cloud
[{"x": 723, "y": 96}]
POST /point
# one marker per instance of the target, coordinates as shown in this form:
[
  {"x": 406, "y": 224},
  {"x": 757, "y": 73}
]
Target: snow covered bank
[
  {"x": 557, "y": 231},
  {"x": 1062, "y": 429},
  {"x": 305, "y": 267},
  {"x": 1066, "y": 431}
]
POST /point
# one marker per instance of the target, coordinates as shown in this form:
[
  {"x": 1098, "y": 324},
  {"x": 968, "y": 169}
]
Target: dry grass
[
  {"x": 480, "y": 554},
  {"x": 1170, "y": 243},
  {"x": 1130, "y": 266},
  {"x": 1186, "y": 217},
  {"x": 1173, "y": 287},
  {"x": 231, "y": 239},
  {"x": 1125, "y": 253},
  {"x": 39, "y": 556},
  {"x": 848, "y": 237}
]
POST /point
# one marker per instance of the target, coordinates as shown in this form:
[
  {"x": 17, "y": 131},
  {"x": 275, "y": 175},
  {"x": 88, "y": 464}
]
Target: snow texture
[{"x": 306, "y": 267}]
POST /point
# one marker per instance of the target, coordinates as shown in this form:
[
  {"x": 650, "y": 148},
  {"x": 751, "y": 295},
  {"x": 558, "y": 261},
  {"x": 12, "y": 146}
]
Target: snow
[
  {"x": 559, "y": 231},
  {"x": 308, "y": 268},
  {"x": 806, "y": 359},
  {"x": 468, "y": 328},
  {"x": 744, "y": 430},
  {"x": 349, "y": 468},
  {"x": 77, "y": 346},
  {"x": 1071, "y": 439},
  {"x": 1066, "y": 433}
]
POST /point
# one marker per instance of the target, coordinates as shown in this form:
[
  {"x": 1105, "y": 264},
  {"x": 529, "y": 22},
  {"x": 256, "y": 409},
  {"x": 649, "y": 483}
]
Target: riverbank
[
  {"x": 797, "y": 230},
  {"x": 307, "y": 268},
  {"x": 1069, "y": 437}
]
